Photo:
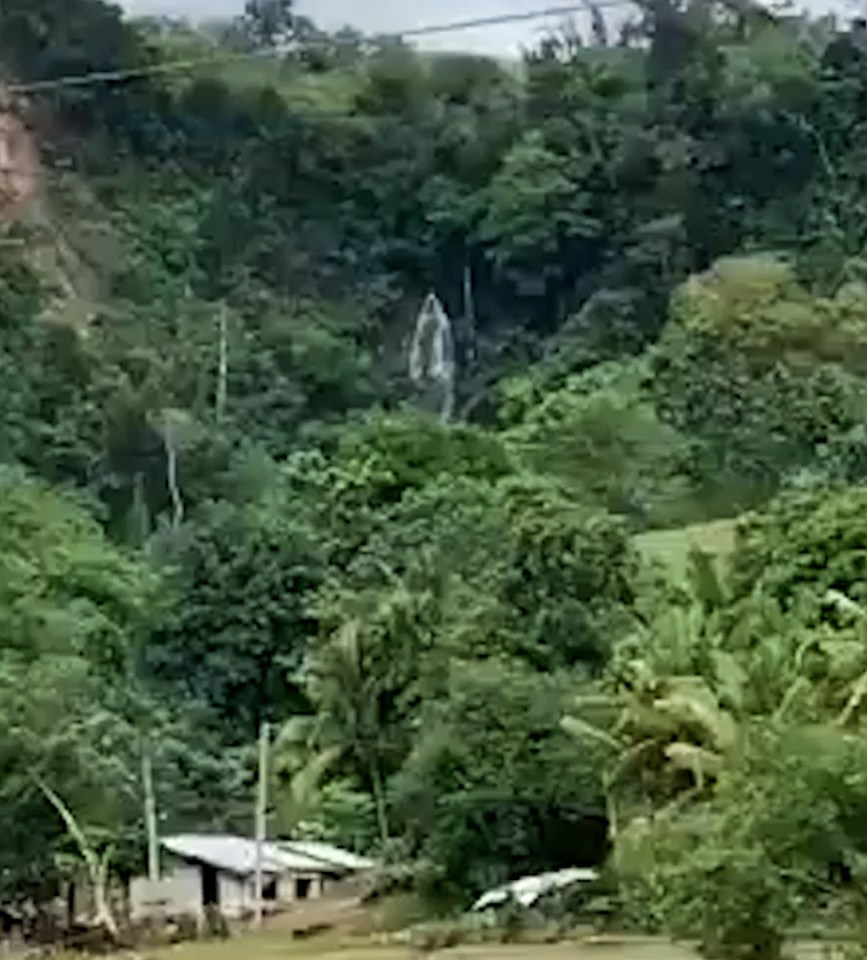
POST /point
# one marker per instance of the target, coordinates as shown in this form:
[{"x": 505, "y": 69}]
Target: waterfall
[{"x": 432, "y": 355}]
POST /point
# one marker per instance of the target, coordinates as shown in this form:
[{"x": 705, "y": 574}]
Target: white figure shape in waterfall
[{"x": 432, "y": 355}]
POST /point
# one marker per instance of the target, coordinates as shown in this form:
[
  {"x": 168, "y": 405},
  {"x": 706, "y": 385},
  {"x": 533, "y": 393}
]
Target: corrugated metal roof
[
  {"x": 298, "y": 860},
  {"x": 238, "y": 854},
  {"x": 329, "y": 854}
]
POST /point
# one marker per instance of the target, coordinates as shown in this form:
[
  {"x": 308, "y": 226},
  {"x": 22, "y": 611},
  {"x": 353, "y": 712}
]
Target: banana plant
[
  {"x": 658, "y": 730},
  {"x": 97, "y": 863}
]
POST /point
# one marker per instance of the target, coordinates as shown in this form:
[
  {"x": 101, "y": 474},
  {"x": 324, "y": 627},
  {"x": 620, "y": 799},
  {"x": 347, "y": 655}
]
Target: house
[
  {"x": 345, "y": 874},
  {"x": 218, "y": 871}
]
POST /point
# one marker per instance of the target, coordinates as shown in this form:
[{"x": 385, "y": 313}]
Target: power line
[
  {"x": 504, "y": 18},
  {"x": 179, "y": 66}
]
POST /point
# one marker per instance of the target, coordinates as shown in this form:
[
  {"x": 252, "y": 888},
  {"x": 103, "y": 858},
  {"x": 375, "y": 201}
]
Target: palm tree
[
  {"x": 347, "y": 726},
  {"x": 303, "y": 757}
]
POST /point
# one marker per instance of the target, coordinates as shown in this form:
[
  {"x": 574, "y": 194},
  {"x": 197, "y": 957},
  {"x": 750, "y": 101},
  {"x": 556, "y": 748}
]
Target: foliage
[
  {"x": 493, "y": 788},
  {"x": 65, "y": 590},
  {"x": 762, "y": 375},
  {"x": 535, "y": 207},
  {"x": 732, "y": 724},
  {"x": 779, "y": 839},
  {"x": 601, "y": 436},
  {"x": 803, "y": 546},
  {"x": 236, "y": 625},
  {"x": 220, "y": 505},
  {"x": 71, "y": 607}
]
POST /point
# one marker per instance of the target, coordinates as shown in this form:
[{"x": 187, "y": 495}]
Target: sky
[{"x": 384, "y": 16}]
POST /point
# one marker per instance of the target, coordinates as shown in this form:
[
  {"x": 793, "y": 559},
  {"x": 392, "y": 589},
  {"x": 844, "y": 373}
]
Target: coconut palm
[{"x": 346, "y": 728}]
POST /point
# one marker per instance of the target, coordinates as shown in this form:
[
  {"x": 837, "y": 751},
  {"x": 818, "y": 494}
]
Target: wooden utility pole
[
  {"x": 170, "y": 442},
  {"x": 150, "y": 811},
  {"x": 261, "y": 814},
  {"x": 469, "y": 313},
  {"x": 223, "y": 365}
]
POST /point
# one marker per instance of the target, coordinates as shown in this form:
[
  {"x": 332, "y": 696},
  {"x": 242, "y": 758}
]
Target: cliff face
[
  {"x": 19, "y": 165},
  {"x": 65, "y": 231}
]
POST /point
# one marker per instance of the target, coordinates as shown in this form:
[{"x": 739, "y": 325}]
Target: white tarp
[{"x": 528, "y": 890}]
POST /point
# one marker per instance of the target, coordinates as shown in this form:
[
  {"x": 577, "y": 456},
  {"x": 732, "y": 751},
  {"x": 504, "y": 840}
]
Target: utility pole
[
  {"x": 150, "y": 811},
  {"x": 223, "y": 365},
  {"x": 469, "y": 313},
  {"x": 170, "y": 443},
  {"x": 261, "y": 813}
]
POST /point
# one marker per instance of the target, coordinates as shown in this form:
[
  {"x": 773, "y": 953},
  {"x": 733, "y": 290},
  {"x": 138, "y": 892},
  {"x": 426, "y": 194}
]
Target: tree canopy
[{"x": 225, "y": 501}]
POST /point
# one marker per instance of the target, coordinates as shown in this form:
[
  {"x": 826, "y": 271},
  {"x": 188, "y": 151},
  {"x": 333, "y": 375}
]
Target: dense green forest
[{"x": 225, "y": 500}]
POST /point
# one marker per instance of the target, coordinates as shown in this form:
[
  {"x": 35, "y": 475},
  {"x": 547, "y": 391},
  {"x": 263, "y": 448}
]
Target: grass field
[
  {"x": 268, "y": 946},
  {"x": 672, "y": 547}
]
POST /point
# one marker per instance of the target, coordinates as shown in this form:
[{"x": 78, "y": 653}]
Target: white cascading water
[{"x": 432, "y": 355}]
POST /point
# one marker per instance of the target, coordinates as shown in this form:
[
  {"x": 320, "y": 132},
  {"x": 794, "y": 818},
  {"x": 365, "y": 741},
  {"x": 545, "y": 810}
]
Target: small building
[{"x": 218, "y": 871}]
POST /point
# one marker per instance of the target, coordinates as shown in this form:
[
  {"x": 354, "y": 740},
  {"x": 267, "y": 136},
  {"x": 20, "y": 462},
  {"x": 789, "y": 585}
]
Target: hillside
[{"x": 375, "y": 401}]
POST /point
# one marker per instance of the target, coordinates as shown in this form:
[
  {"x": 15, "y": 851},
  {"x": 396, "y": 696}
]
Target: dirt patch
[{"x": 345, "y": 917}]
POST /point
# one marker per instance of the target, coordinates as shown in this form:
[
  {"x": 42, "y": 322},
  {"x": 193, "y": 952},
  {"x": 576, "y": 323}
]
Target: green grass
[{"x": 672, "y": 548}]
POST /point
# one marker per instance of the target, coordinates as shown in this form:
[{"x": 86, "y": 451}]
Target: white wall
[
  {"x": 180, "y": 891},
  {"x": 236, "y": 895}
]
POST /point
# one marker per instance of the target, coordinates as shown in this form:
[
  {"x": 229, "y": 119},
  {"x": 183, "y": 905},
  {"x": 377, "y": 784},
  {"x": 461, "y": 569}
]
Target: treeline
[{"x": 222, "y": 505}]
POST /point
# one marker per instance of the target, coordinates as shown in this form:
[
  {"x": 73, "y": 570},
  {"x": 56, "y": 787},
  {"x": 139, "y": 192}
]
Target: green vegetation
[{"x": 612, "y": 608}]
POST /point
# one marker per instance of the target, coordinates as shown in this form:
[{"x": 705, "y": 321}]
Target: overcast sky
[
  {"x": 383, "y": 16},
  {"x": 394, "y": 15}
]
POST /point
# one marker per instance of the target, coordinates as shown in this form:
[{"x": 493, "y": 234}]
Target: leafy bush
[
  {"x": 804, "y": 544},
  {"x": 778, "y": 841}
]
